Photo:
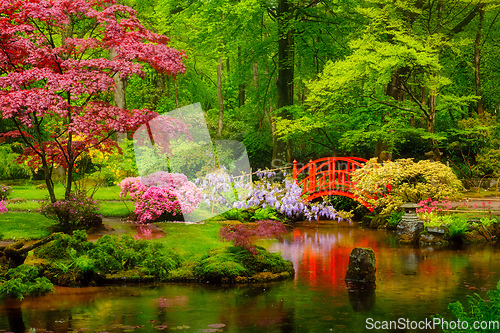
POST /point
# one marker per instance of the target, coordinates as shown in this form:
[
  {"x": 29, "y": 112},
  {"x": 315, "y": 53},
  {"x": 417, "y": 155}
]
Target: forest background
[{"x": 309, "y": 79}]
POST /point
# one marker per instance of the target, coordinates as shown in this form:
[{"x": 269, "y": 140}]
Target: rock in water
[{"x": 361, "y": 270}]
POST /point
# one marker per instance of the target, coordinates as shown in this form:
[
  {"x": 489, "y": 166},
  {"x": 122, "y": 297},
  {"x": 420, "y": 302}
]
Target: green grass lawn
[
  {"x": 107, "y": 208},
  {"x": 194, "y": 239},
  {"x": 116, "y": 208},
  {"x": 27, "y": 226},
  {"x": 30, "y": 205},
  {"x": 30, "y": 192}
]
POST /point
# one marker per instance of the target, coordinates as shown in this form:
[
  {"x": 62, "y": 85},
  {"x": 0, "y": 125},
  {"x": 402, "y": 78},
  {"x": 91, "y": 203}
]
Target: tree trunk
[
  {"x": 283, "y": 149},
  {"x": 120, "y": 89},
  {"x": 241, "y": 86},
  {"x": 220, "y": 97},
  {"x": 477, "y": 63},
  {"x": 431, "y": 120},
  {"x": 46, "y": 169},
  {"x": 15, "y": 254},
  {"x": 71, "y": 162}
]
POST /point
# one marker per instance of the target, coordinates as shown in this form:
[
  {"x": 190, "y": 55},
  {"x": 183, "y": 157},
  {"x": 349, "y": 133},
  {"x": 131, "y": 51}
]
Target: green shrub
[
  {"x": 268, "y": 213},
  {"x": 24, "y": 280},
  {"x": 219, "y": 264},
  {"x": 158, "y": 262},
  {"x": 9, "y": 169},
  {"x": 480, "y": 310},
  {"x": 234, "y": 261},
  {"x": 409, "y": 182},
  {"x": 109, "y": 255}
]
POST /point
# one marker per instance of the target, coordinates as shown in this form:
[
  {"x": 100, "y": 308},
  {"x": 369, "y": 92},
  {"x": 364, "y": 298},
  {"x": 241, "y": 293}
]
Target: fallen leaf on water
[
  {"x": 161, "y": 327},
  {"x": 217, "y": 325}
]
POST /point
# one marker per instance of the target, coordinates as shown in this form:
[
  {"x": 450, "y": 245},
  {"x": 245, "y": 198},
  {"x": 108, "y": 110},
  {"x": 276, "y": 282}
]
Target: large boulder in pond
[{"x": 361, "y": 269}]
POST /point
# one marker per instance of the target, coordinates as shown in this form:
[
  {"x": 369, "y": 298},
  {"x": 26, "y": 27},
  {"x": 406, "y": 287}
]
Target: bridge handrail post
[
  {"x": 312, "y": 176},
  {"x": 294, "y": 170}
]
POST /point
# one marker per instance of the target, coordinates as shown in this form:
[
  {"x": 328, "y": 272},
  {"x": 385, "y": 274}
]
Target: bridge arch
[{"x": 329, "y": 176}]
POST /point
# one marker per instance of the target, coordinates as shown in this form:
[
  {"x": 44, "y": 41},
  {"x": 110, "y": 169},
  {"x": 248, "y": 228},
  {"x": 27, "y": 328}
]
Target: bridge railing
[{"x": 329, "y": 173}]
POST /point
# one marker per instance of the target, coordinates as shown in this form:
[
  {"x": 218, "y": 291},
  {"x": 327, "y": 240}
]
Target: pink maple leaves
[
  {"x": 57, "y": 74},
  {"x": 244, "y": 234}
]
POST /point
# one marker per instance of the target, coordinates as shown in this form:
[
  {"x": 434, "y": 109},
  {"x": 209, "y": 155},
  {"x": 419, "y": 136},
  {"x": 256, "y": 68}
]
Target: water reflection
[{"x": 411, "y": 283}]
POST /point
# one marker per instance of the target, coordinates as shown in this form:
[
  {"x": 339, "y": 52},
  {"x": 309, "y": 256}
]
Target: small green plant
[
  {"x": 486, "y": 221},
  {"x": 267, "y": 213},
  {"x": 394, "y": 218},
  {"x": 233, "y": 214},
  {"x": 457, "y": 227}
]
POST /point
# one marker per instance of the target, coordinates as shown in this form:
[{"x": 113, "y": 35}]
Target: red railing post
[
  {"x": 312, "y": 176},
  {"x": 294, "y": 172}
]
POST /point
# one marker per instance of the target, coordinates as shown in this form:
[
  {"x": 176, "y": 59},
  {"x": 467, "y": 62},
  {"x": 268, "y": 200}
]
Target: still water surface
[{"x": 411, "y": 283}]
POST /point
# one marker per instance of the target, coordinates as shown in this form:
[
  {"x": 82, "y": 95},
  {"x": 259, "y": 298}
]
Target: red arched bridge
[{"x": 329, "y": 176}]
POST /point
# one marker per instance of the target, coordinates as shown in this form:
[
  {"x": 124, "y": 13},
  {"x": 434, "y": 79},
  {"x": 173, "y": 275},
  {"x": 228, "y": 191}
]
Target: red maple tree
[{"x": 56, "y": 78}]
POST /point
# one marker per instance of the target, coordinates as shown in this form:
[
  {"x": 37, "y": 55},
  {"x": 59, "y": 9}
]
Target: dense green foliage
[
  {"x": 74, "y": 260},
  {"x": 24, "y": 280},
  {"x": 482, "y": 311}
]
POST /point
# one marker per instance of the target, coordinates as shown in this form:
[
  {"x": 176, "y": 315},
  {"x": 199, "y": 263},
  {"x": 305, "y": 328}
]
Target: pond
[{"x": 412, "y": 283}]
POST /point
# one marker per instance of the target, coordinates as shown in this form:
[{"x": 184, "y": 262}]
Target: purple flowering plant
[
  {"x": 285, "y": 197},
  {"x": 221, "y": 190},
  {"x": 5, "y": 191},
  {"x": 78, "y": 211}
]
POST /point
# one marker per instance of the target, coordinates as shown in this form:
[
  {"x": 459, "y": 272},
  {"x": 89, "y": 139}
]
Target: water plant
[
  {"x": 457, "y": 227},
  {"x": 394, "y": 218}
]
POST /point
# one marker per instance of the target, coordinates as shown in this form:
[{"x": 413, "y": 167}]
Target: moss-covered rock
[
  {"x": 361, "y": 267},
  {"x": 235, "y": 264}
]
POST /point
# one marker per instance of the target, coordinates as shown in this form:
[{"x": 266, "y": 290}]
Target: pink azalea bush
[
  {"x": 3, "y": 209},
  {"x": 161, "y": 192}
]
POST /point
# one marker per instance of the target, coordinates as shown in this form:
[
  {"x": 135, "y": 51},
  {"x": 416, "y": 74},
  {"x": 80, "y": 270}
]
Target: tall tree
[
  {"x": 54, "y": 89},
  {"x": 396, "y": 72}
]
